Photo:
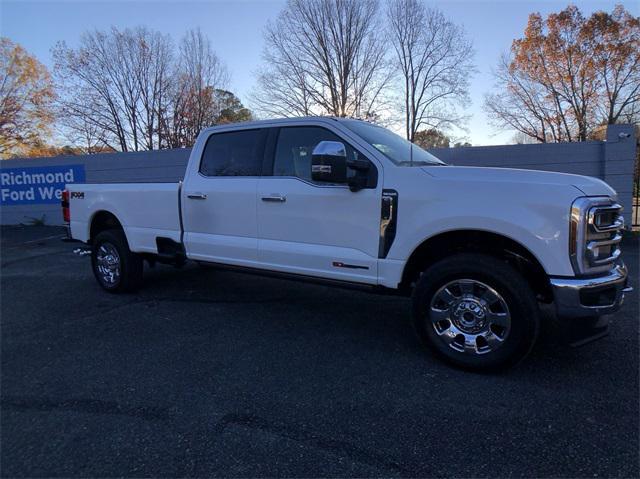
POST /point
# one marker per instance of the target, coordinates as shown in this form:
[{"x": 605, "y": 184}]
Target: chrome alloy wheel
[
  {"x": 108, "y": 264},
  {"x": 470, "y": 316}
]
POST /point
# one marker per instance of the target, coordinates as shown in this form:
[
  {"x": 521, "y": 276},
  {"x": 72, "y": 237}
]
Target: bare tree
[
  {"x": 283, "y": 85},
  {"x": 199, "y": 74},
  {"x": 435, "y": 59},
  {"x": 115, "y": 83},
  {"x": 153, "y": 59},
  {"x": 85, "y": 136},
  {"x": 323, "y": 57}
]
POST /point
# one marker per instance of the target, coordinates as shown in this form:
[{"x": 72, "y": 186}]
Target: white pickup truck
[{"x": 350, "y": 203}]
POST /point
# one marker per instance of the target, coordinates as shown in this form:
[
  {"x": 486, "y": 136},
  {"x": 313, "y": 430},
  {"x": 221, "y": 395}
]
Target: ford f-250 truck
[{"x": 347, "y": 202}]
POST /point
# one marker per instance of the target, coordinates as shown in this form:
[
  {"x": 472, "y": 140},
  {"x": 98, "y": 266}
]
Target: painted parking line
[{"x": 38, "y": 240}]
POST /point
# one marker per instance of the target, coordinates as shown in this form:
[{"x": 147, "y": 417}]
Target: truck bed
[{"x": 146, "y": 211}]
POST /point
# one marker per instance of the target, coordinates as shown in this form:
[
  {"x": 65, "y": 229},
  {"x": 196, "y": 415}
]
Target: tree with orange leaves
[
  {"x": 569, "y": 74},
  {"x": 26, "y": 95}
]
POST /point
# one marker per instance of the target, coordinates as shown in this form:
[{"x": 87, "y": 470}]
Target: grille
[{"x": 603, "y": 235}]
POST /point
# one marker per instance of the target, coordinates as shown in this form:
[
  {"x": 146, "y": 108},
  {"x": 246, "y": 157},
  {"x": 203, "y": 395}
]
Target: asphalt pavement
[{"x": 212, "y": 373}]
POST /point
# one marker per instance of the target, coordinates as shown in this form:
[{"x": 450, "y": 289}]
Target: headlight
[{"x": 595, "y": 234}]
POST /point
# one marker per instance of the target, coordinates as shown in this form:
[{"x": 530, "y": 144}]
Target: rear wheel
[
  {"x": 115, "y": 267},
  {"x": 476, "y": 311}
]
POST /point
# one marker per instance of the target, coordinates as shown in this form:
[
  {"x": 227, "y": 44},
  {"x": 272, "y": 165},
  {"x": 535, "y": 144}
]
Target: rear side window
[{"x": 235, "y": 153}]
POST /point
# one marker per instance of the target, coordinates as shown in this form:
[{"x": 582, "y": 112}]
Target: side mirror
[
  {"x": 329, "y": 162},
  {"x": 360, "y": 178}
]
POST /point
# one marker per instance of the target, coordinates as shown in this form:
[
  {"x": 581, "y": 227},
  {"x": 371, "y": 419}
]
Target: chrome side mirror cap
[{"x": 330, "y": 148}]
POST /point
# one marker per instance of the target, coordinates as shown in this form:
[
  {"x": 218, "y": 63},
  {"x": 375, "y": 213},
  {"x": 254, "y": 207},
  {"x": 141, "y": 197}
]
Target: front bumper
[{"x": 583, "y": 297}]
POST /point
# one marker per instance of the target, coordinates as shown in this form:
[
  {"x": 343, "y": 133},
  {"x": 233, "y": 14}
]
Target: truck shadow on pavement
[{"x": 358, "y": 315}]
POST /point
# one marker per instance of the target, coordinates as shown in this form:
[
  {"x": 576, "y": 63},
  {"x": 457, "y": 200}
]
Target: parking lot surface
[{"x": 211, "y": 373}]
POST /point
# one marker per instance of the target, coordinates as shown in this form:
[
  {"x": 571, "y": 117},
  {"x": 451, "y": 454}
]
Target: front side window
[
  {"x": 295, "y": 147},
  {"x": 234, "y": 153}
]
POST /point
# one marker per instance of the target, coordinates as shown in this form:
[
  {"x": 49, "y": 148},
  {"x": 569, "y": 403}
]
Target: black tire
[
  {"x": 483, "y": 273},
  {"x": 130, "y": 265}
]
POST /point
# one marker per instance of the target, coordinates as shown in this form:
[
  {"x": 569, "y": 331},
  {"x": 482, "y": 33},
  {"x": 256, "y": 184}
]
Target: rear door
[
  {"x": 219, "y": 199},
  {"x": 310, "y": 228}
]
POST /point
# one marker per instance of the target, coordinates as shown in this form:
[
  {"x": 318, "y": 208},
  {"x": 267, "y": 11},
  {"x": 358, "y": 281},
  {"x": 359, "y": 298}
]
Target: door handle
[
  {"x": 275, "y": 198},
  {"x": 197, "y": 196}
]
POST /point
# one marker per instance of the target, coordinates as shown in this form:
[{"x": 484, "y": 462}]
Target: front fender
[
  {"x": 548, "y": 251},
  {"x": 540, "y": 225}
]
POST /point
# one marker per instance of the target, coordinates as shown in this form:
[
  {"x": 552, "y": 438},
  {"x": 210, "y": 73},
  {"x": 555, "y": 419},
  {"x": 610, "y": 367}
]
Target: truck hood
[{"x": 586, "y": 185}]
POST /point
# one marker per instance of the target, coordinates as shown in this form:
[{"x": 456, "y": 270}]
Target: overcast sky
[{"x": 235, "y": 29}]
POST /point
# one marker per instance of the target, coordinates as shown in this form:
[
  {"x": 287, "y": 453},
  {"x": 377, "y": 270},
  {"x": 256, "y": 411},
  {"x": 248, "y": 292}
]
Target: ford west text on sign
[{"x": 38, "y": 184}]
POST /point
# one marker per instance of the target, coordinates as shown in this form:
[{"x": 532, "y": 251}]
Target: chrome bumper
[{"x": 582, "y": 297}]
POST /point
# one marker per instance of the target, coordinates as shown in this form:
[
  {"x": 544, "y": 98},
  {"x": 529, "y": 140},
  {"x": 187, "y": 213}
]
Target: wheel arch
[
  {"x": 448, "y": 243},
  {"x": 103, "y": 220}
]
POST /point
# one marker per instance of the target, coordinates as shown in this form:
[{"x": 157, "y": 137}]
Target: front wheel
[
  {"x": 115, "y": 267},
  {"x": 476, "y": 311}
]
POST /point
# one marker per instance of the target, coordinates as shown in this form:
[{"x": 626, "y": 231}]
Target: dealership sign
[{"x": 37, "y": 185}]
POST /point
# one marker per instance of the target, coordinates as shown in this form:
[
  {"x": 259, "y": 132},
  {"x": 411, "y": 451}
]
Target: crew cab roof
[{"x": 276, "y": 121}]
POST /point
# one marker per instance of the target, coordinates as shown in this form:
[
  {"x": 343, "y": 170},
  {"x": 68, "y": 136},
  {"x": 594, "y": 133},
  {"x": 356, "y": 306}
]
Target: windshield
[{"x": 394, "y": 147}]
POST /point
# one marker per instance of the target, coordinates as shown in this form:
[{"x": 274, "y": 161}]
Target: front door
[
  {"x": 316, "y": 229},
  {"x": 219, "y": 201}
]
